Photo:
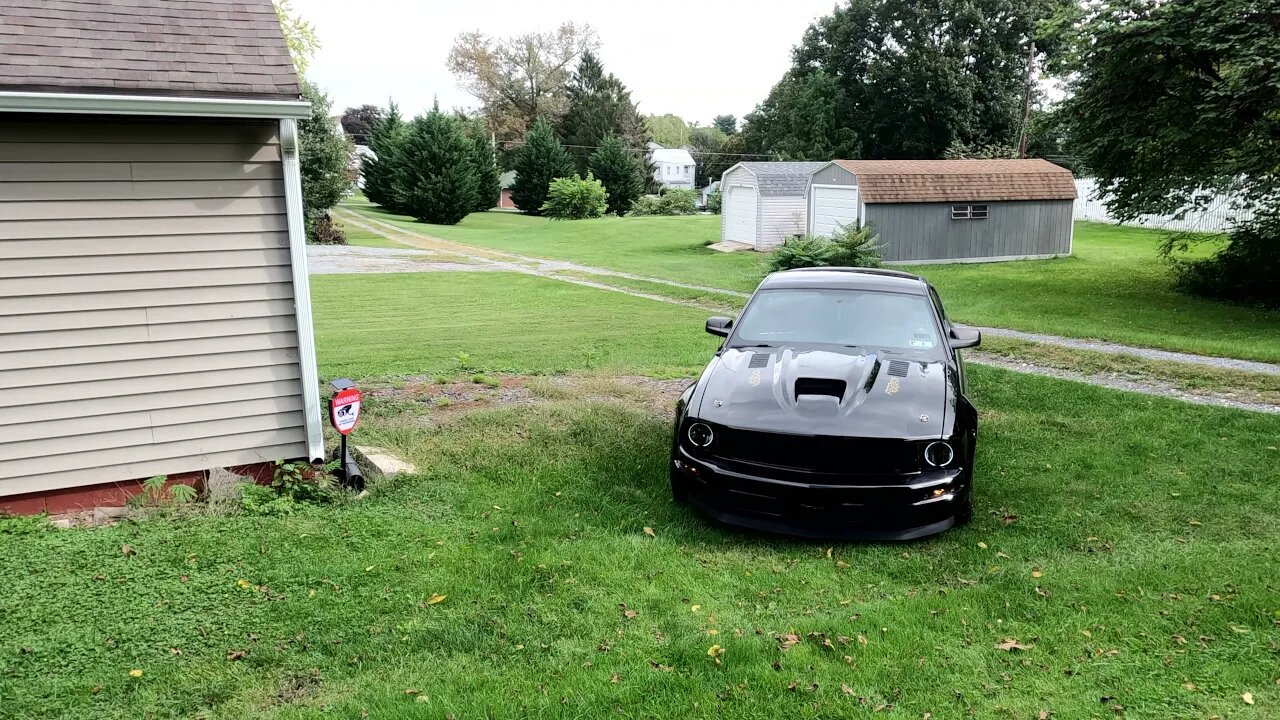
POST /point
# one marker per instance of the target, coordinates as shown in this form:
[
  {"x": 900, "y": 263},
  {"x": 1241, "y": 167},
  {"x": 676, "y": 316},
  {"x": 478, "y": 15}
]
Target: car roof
[{"x": 847, "y": 278}]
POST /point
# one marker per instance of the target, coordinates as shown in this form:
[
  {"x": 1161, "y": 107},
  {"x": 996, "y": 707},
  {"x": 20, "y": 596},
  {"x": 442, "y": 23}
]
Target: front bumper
[{"x": 824, "y": 507}]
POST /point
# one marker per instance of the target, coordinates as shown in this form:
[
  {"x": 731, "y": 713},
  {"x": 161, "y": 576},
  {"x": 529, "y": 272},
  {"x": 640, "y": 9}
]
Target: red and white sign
[{"x": 344, "y": 410}]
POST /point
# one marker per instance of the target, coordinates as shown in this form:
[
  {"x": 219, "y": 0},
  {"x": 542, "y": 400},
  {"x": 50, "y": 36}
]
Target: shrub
[
  {"x": 572, "y": 198},
  {"x": 714, "y": 202},
  {"x": 851, "y": 247},
  {"x": 1244, "y": 271},
  {"x": 323, "y": 230},
  {"x": 324, "y": 154},
  {"x": 672, "y": 201},
  {"x": 300, "y": 481}
]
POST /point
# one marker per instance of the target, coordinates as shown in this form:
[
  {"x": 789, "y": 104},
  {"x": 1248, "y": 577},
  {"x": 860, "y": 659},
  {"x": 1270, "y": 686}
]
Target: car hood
[{"x": 756, "y": 388}]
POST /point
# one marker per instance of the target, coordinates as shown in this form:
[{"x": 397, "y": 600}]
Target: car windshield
[{"x": 854, "y": 318}]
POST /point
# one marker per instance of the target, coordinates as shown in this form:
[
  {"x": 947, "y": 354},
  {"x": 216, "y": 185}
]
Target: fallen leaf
[
  {"x": 841, "y": 564},
  {"x": 370, "y": 568},
  {"x": 659, "y": 666},
  {"x": 1011, "y": 644},
  {"x": 846, "y": 689},
  {"x": 1248, "y": 698},
  {"x": 1193, "y": 523},
  {"x": 715, "y": 652},
  {"x": 412, "y": 691},
  {"x": 982, "y": 545},
  {"x": 234, "y": 655},
  {"x": 862, "y": 640},
  {"x": 127, "y": 549},
  {"x": 649, "y": 531},
  {"x": 1037, "y": 574},
  {"x": 244, "y": 584},
  {"x": 615, "y": 678},
  {"x": 788, "y": 641},
  {"x": 1190, "y": 686},
  {"x": 695, "y": 608},
  {"x": 436, "y": 598},
  {"x": 1044, "y": 715},
  {"x": 829, "y": 553},
  {"x": 135, "y": 673},
  {"x": 791, "y": 686}
]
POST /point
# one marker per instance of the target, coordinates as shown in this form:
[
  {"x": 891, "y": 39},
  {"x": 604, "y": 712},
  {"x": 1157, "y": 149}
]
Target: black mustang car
[{"x": 834, "y": 409}]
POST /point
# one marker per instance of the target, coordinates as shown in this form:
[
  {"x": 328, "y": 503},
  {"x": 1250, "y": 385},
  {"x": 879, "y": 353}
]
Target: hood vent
[
  {"x": 758, "y": 360},
  {"x": 820, "y": 386},
  {"x": 898, "y": 368}
]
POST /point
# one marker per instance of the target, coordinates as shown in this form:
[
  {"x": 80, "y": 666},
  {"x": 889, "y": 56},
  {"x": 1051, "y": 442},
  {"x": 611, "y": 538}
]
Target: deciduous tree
[
  {"x": 324, "y": 154},
  {"x": 1175, "y": 102},
  {"x": 299, "y": 35},
  {"x": 521, "y": 78},
  {"x": 358, "y": 122}
]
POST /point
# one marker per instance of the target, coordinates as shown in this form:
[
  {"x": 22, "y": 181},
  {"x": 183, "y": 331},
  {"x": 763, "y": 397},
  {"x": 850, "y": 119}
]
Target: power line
[{"x": 645, "y": 150}]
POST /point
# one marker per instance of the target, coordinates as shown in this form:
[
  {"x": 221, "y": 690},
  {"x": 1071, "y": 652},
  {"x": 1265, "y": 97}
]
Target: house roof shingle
[
  {"x": 222, "y": 48},
  {"x": 782, "y": 178},
  {"x": 914, "y": 181}
]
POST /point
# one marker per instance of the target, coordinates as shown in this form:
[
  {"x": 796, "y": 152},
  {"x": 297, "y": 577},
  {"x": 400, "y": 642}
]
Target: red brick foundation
[{"x": 55, "y": 502}]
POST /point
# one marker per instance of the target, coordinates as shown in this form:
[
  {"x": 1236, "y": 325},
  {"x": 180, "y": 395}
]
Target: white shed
[{"x": 764, "y": 202}]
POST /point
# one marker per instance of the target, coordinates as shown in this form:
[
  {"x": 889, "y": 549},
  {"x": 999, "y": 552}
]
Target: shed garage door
[
  {"x": 833, "y": 208},
  {"x": 146, "y": 301},
  {"x": 740, "y": 215}
]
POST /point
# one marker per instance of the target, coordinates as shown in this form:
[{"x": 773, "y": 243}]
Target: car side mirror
[
  {"x": 965, "y": 337},
  {"x": 719, "y": 326}
]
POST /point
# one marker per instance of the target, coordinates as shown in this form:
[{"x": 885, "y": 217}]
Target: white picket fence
[{"x": 1217, "y": 216}]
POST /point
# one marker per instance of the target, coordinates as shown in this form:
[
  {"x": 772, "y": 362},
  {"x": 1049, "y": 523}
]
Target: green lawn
[
  {"x": 1128, "y": 544},
  {"x": 426, "y": 323},
  {"x": 1113, "y": 288}
]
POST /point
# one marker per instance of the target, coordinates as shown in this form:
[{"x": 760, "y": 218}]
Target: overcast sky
[{"x": 672, "y": 54}]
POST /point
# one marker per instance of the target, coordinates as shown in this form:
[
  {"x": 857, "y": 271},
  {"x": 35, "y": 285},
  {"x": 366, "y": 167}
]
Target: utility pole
[{"x": 1026, "y": 100}]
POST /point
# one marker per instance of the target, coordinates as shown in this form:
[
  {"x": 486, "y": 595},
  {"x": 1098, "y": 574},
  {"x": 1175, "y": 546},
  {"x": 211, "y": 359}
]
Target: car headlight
[
  {"x": 939, "y": 454},
  {"x": 700, "y": 435}
]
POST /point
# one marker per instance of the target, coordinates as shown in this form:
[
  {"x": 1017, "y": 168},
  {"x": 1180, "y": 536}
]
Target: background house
[
  {"x": 505, "y": 181},
  {"x": 672, "y": 167},
  {"x": 763, "y": 203},
  {"x": 155, "y": 317},
  {"x": 948, "y": 210}
]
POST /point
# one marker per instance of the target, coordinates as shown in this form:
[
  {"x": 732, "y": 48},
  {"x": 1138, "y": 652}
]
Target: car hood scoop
[{"x": 823, "y": 392}]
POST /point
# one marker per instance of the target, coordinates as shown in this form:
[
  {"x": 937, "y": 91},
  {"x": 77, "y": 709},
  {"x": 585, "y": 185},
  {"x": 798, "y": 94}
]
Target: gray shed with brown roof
[
  {"x": 155, "y": 316},
  {"x": 948, "y": 210}
]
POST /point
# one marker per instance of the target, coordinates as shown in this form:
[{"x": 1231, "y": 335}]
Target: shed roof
[
  {"x": 912, "y": 181},
  {"x": 781, "y": 178},
  {"x": 218, "y": 48}
]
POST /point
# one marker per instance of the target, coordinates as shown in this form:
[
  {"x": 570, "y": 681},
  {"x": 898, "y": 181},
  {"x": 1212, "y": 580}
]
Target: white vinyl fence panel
[{"x": 1217, "y": 216}]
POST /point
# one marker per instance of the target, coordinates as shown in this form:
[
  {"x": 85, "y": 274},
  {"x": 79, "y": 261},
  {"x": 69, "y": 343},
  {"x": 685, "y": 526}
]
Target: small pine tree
[
  {"x": 386, "y": 140},
  {"x": 537, "y": 163},
  {"x": 484, "y": 160},
  {"x": 620, "y": 171},
  {"x": 438, "y": 183}
]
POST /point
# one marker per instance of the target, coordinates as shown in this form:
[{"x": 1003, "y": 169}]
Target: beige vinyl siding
[
  {"x": 781, "y": 216},
  {"x": 146, "y": 303}
]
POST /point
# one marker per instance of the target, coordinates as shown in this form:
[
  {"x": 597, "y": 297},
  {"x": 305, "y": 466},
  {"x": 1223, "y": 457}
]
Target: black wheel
[
  {"x": 964, "y": 513},
  {"x": 679, "y": 487}
]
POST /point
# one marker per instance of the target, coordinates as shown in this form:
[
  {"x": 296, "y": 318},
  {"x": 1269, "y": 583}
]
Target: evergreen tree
[
  {"x": 537, "y": 163},
  {"x": 438, "y": 181},
  {"x": 726, "y": 124},
  {"x": 386, "y": 140},
  {"x": 599, "y": 104},
  {"x": 620, "y": 171},
  {"x": 484, "y": 160}
]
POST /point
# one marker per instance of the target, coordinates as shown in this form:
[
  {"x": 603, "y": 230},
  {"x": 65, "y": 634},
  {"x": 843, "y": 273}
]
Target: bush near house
[
  {"x": 573, "y": 198},
  {"x": 323, "y": 153},
  {"x": 672, "y": 201},
  {"x": 714, "y": 202},
  {"x": 851, "y": 247}
]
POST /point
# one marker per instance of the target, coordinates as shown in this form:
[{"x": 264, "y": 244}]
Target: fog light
[
  {"x": 939, "y": 454},
  {"x": 700, "y": 435},
  {"x": 939, "y": 492}
]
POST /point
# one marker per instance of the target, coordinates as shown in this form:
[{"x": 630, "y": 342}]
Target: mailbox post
[{"x": 344, "y": 412}]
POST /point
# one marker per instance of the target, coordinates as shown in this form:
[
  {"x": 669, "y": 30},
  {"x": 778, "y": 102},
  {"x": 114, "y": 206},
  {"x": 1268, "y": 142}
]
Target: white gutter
[
  {"x": 309, "y": 374},
  {"x": 100, "y": 104}
]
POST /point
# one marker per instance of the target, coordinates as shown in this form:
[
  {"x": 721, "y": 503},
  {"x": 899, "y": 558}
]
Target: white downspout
[{"x": 309, "y": 374}]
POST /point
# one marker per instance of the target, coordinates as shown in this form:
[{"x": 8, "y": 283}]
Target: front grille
[{"x": 815, "y": 453}]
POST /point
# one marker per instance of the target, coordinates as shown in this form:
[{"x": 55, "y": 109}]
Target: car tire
[
  {"x": 964, "y": 513},
  {"x": 679, "y": 487}
]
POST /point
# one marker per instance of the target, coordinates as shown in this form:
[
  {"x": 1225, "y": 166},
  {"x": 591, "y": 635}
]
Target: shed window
[{"x": 968, "y": 212}]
